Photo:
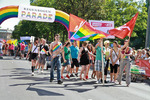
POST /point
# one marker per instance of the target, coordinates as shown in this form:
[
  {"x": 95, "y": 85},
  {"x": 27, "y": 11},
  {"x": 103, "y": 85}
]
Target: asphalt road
[{"x": 16, "y": 83}]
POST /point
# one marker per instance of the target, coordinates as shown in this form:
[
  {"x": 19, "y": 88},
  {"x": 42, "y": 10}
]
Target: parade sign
[
  {"x": 25, "y": 38},
  {"x": 33, "y": 13},
  {"x": 103, "y": 26}
]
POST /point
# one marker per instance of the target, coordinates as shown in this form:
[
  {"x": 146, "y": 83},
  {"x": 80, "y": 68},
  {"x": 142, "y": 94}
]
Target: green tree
[{"x": 119, "y": 11}]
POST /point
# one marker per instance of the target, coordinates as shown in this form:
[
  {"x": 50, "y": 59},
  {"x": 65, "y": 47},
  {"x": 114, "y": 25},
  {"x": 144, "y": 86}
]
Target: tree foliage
[{"x": 119, "y": 11}]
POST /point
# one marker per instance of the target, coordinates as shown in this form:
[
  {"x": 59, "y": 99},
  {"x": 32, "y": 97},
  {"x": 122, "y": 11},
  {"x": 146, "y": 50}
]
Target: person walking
[
  {"x": 34, "y": 54},
  {"x": 18, "y": 51},
  {"x": 84, "y": 59},
  {"x": 67, "y": 62},
  {"x": 107, "y": 56},
  {"x": 125, "y": 61},
  {"x": 91, "y": 50},
  {"x": 43, "y": 52},
  {"x": 9, "y": 49},
  {"x": 98, "y": 61},
  {"x": 74, "y": 55},
  {"x": 12, "y": 49},
  {"x": 1, "y": 46},
  {"x": 55, "y": 50},
  {"x": 22, "y": 49},
  {"x": 114, "y": 62}
]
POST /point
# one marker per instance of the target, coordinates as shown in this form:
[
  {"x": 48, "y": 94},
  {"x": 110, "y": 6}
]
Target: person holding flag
[
  {"x": 55, "y": 50},
  {"x": 98, "y": 61},
  {"x": 43, "y": 52},
  {"x": 126, "y": 52}
]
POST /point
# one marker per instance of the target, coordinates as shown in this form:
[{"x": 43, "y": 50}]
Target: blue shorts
[{"x": 67, "y": 63}]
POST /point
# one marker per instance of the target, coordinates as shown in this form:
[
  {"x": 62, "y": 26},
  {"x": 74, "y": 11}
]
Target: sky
[{"x": 10, "y": 23}]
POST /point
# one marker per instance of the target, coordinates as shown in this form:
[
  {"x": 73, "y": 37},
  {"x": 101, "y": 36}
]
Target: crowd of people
[
  {"x": 9, "y": 49},
  {"x": 87, "y": 56}
]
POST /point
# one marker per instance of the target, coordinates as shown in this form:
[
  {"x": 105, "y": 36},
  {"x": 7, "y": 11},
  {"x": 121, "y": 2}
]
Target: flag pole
[{"x": 102, "y": 61}]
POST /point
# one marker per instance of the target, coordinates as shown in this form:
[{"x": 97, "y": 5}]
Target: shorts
[
  {"x": 22, "y": 52},
  {"x": 113, "y": 68},
  {"x": 34, "y": 56},
  {"x": 90, "y": 61},
  {"x": 67, "y": 63},
  {"x": 42, "y": 59},
  {"x": 74, "y": 62},
  {"x": 98, "y": 65}
]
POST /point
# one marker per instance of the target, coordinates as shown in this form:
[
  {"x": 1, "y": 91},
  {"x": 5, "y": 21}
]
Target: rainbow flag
[
  {"x": 86, "y": 32},
  {"x": 43, "y": 50},
  {"x": 56, "y": 47},
  {"x": 125, "y": 57}
]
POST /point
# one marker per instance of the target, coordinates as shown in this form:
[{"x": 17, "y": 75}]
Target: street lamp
[{"x": 147, "y": 42}]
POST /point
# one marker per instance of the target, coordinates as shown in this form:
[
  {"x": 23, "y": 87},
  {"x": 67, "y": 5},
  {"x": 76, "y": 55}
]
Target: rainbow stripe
[
  {"x": 8, "y": 12},
  {"x": 12, "y": 11},
  {"x": 87, "y": 33},
  {"x": 56, "y": 47},
  {"x": 43, "y": 50},
  {"x": 126, "y": 57}
]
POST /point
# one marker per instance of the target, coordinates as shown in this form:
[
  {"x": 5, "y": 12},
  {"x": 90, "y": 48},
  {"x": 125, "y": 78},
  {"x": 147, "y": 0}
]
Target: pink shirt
[
  {"x": 23, "y": 47},
  {"x": 9, "y": 47},
  {"x": 12, "y": 47}
]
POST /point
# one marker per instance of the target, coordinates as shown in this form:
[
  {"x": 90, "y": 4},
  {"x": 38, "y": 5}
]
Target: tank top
[
  {"x": 84, "y": 60},
  {"x": 114, "y": 57},
  {"x": 126, "y": 51},
  {"x": 33, "y": 47}
]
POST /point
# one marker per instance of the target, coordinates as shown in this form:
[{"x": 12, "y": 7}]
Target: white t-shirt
[
  {"x": 147, "y": 58},
  {"x": 114, "y": 57},
  {"x": 143, "y": 56},
  {"x": 34, "y": 49}
]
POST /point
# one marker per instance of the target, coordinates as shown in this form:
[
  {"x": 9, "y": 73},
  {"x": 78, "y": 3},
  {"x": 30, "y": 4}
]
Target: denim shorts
[{"x": 67, "y": 63}]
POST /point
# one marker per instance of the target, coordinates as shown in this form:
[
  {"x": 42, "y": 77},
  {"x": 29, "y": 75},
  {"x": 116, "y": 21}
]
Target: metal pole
[
  {"x": 147, "y": 42},
  {"x": 102, "y": 61}
]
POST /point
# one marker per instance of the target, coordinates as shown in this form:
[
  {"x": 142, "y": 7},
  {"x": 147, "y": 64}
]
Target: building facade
[{"x": 5, "y": 34}]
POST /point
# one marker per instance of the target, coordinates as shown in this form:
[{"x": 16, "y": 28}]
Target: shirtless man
[{"x": 55, "y": 49}]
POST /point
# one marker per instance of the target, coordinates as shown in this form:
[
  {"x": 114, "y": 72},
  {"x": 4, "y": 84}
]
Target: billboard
[
  {"x": 33, "y": 13},
  {"x": 103, "y": 26}
]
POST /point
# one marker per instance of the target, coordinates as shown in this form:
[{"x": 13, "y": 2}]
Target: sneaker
[
  {"x": 76, "y": 74},
  {"x": 35, "y": 69},
  {"x": 51, "y": 80},
  {"x": 60, "y": 82},
  {"x": 127, "y": 85},
  {"x": 62, "y": 77},
  {"x": 101, "y": 80},
  {"x": 42, "y": 71},
  {"x": 39, "y": 71},
  {"x": 105, "y": 81},
  {"x": 32, "y": 74},
  {"x": 68, "y": 76},
  {"x": 97, "y": 82},
  {"x": 72, "y": 75}
]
